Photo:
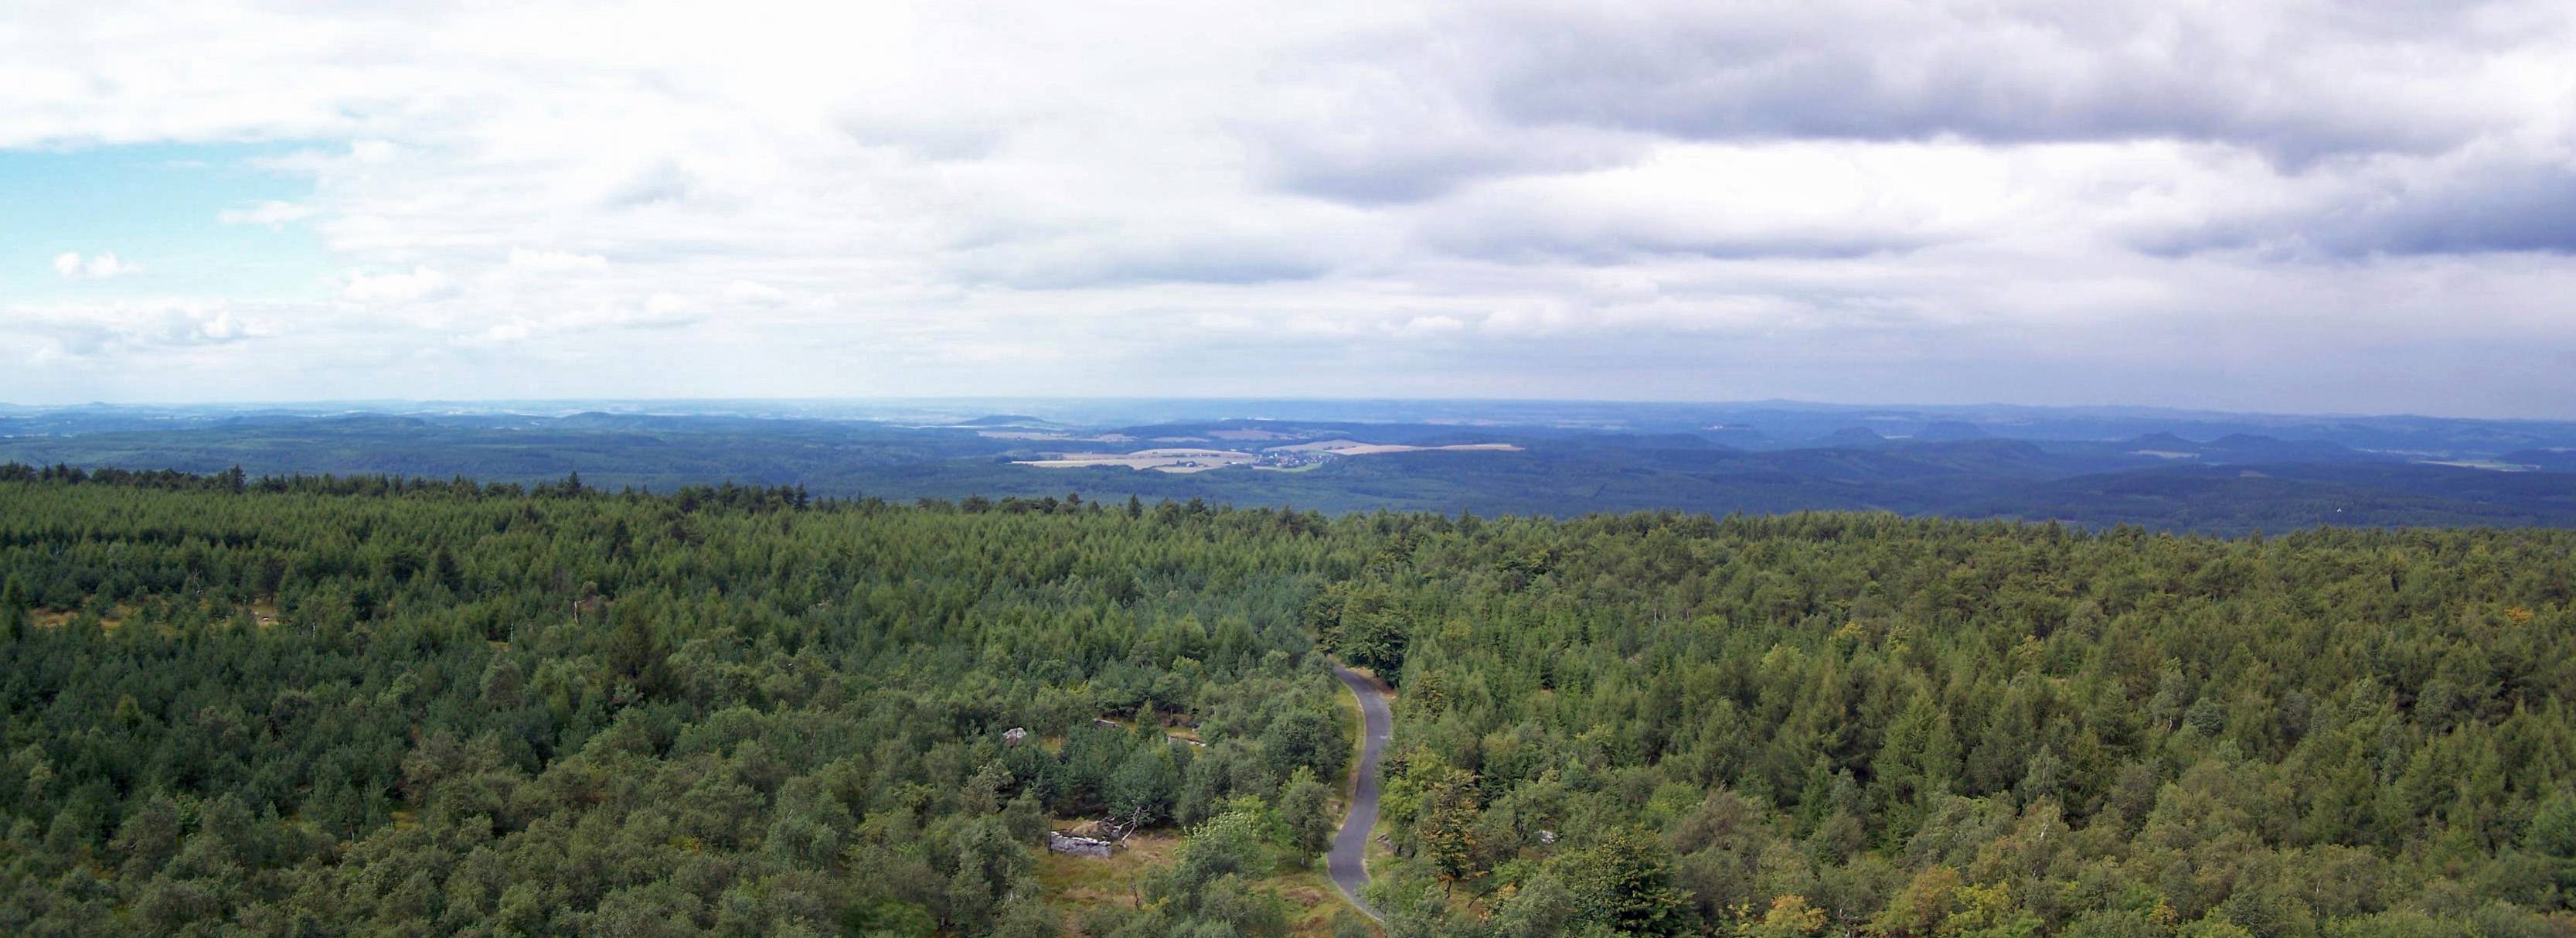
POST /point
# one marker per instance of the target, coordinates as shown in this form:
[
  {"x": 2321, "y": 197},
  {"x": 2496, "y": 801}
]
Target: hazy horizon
[{"x": 1002, "y": 400}]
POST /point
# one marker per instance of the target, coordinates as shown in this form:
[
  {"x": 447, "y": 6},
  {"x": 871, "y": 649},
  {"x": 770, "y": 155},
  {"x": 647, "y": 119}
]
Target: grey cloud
[
  {"x": 662, "y": 182},
  {"x": 1604, "y": 248},
  {"x": 2526, "y": 209},
  {"x": 2043, "y": 73},
  {"x": 1369, "y": 134},
  {"x": 1716, "y": 210},
  {"x": 924, "y": 138},
  {"x": 1401, "y": 169},
  {"x": 2485, "y": 207},
  {"x": 1076, "y": 263},
  {"x": 1490, "y": 91}
]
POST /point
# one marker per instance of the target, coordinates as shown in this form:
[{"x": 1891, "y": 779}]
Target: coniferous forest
[{"x": 328, "y": 706}]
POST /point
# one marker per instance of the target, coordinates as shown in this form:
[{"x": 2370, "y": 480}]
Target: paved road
[{"x": 1348, "y": 860}]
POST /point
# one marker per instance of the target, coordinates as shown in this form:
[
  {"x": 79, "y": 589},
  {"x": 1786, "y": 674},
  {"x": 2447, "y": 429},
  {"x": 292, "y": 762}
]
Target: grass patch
[
  {"x": 263, "y": 611},
  {"x": 1312, "y": 902},
  {"x": 57, "y": 618},
  {"x": 1079, "y": 884}
]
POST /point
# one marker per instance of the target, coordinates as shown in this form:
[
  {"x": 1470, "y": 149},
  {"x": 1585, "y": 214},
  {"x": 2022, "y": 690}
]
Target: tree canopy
[{"x": 374, "y": 705}]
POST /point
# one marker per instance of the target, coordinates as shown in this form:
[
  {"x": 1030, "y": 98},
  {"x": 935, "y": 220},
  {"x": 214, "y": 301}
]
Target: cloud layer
[{"x": 2276, "y": 205}]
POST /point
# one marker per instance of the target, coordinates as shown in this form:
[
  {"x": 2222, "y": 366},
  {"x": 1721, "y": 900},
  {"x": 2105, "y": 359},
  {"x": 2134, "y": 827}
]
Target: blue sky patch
[{"x": 158, "y": 208}]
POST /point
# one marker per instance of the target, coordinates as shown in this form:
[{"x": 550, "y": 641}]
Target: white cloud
[
  {"x": 374, "y": 151},
  {"x": 668, "y": 309},
  {"x": 554, "y": 261},
  {"x": 1627, "y": 198},
  {"x": 101, "y": 332},
  {"x": 70, "y": 265},
  {"x": 272, "y": 214},
  {"x": 1423, "y": 327},
  {"x": 513, "y": 331},
  {"x": 757, "y": 294},
  {"x": 398, "y": 287}
]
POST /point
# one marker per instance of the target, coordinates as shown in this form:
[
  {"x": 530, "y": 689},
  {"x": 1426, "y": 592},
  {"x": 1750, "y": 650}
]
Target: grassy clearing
[
  {"x": 1185, "y": 734},
  {"x": 1378, "y": 855},
  {"x": 57, "y": 618},
  {"x": 1080, "y": 884},
  {"x": 1312, "y": 902},
  {"x": 263, "y": 611}
]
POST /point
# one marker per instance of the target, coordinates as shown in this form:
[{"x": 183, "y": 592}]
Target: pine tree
[{"x": 13, "y": 609}]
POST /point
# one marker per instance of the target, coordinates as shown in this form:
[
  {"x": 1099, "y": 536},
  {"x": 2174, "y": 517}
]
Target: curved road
[{"x": 1347, "y": 862}]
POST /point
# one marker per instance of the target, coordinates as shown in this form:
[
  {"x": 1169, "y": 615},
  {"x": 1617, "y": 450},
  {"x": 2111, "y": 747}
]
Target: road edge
[{"x": 1348, "y": 858}]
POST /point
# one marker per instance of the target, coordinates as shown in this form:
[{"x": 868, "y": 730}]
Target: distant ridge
[
  {"x": 1947, "y": 431},
  {"x": 1568, "y": 459},
  {"x": 2163, "y": 442},
  {"x": 1854, "y": 436}
]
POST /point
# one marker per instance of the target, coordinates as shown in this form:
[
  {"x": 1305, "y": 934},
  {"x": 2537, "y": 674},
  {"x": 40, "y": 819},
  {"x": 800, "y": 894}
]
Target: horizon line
[{"x": 498, "y": 404}]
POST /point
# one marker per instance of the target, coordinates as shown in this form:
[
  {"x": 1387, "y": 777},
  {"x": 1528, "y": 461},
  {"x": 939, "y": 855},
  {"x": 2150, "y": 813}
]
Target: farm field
[
  {"x": 1165, "y": 460},
  {"x": 1290, "y": 456}
]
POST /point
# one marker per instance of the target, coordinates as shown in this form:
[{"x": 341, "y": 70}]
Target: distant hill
[
  {"x": 1573, "y": 459},
  {"x": 1943, "y": 431},
  {"x": 1853, "y": 436},
  {"x": 2164, "y": 443}
]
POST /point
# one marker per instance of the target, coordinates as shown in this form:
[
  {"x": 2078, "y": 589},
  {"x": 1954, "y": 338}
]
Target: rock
[{"x": 1060, "y": 842}]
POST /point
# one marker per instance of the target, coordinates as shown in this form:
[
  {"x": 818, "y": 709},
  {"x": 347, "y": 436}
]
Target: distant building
[{"x": 1015, "y": 736}]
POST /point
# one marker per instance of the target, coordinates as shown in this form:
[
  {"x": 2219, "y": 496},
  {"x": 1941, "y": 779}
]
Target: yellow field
[{"x": 1357, "y": 448}]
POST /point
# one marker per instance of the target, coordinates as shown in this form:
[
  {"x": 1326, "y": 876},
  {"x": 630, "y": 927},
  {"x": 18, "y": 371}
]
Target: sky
[{"x": 2363, "y": 207}]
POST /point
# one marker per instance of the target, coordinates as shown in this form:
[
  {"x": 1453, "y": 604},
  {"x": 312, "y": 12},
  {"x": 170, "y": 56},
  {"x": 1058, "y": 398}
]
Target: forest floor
[{"x": 1185, "y": 734}]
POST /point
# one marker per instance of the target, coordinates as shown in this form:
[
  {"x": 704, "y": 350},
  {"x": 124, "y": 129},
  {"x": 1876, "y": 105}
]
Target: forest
[
  {"x": 373, "y": 705},
  {"x": 2493, "y": 473}
]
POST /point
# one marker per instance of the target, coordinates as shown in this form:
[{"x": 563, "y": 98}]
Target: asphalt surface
[{"x": 1348, "y": 860}]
